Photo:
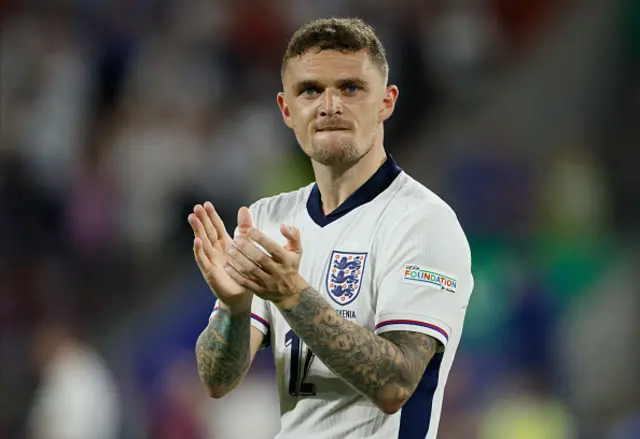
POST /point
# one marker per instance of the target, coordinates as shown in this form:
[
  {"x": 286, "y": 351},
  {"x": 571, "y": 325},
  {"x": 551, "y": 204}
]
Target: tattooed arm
[
  {"x": 385, "y": 368},
  {"x": 225, "y": 349}
]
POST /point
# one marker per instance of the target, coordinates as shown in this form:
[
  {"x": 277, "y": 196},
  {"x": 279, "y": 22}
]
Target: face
[{"x": 335, "y": 103}]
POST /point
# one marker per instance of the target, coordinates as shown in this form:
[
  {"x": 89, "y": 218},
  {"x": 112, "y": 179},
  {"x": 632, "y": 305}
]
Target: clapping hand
[
  {"x": 267, "y": 269},
  {"x": 209, "y": 244}
]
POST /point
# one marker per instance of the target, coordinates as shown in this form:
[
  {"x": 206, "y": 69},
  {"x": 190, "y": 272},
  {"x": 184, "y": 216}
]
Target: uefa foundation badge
[{"x": 414, "y": 274}]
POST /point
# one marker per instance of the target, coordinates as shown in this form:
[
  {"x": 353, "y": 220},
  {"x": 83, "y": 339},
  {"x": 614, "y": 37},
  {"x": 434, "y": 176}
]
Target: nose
[{"x": 331, "y": 104}]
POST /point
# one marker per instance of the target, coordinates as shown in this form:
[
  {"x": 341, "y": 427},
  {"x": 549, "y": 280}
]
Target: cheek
[
  {"x": 298, "y": 123},
  {"x": 300, "y": 128},
  {"x": 302, "y": 120},
  {"x": 369, "y": 121}
]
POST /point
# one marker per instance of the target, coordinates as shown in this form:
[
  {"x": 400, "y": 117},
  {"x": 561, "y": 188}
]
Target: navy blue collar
[{"x": 373, "y": 187}]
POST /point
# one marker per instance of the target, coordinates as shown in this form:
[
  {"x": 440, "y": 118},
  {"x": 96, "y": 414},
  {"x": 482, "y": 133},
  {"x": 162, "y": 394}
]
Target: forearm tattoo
[
  {"x": 387, "y": 366},
  {"x": 222, "y": 350}
]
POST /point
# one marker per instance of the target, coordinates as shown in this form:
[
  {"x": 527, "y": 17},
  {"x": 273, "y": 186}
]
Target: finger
[
  {"x": 242, "y": 280},
  {"x": 276, "y": 251},
  {"x": 198, "y": 228},
  {"x": 200, "y": 233},
  {"x": 255, "y": 253},
  {"x": 200, "y": 256},
  {"x": 245, "y": 222},
  {"x": 216, "y": 221},
  {"x": 195, "y": 224},
  {"x": 211, "y": 231},
  {"x": 294, "y": 243},
  {"x": 244, "y": 263}
]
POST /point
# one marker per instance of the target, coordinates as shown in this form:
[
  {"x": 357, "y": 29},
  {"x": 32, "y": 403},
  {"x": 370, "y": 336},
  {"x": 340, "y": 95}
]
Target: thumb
[
  {"x": 292, "y": 234},
  {"x": 245, "y": 222}
]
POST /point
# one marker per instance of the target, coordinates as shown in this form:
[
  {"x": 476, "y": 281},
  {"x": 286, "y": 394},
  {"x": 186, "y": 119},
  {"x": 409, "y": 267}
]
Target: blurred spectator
[
  {"x": 462, "y": 42},
  {"x": 115, "y": 40},
  {"x": 155, "y": 154},
  {"x": 77, "y": 398},
  {"x": 90, "y": 206},
  {"x": 58, "y": 116},
  {"x": 412, "y": 68}
]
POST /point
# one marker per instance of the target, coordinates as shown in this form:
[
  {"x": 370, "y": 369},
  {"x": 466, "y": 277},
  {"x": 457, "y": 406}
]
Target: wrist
[
  {"x": 239, "y": 306},
  {"x": 292, "y": 299}
]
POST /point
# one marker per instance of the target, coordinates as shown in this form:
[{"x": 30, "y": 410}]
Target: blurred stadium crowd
[{"x": 118, "y": 116}]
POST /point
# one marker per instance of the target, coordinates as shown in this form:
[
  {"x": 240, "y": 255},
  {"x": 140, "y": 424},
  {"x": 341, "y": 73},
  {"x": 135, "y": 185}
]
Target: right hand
[{"x": 210, "y": 242}]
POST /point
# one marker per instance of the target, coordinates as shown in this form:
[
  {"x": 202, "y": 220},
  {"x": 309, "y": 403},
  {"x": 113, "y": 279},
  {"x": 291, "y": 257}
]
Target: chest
[{"x": 339, "y": 261}]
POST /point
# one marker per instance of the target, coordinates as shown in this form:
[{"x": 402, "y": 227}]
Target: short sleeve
[
  {"x": 259, "y": 317},
  {"x": 425, "y": 279}
]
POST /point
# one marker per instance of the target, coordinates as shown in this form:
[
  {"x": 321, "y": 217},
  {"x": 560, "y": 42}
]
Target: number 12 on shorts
[{"x": 301, "y": 359}]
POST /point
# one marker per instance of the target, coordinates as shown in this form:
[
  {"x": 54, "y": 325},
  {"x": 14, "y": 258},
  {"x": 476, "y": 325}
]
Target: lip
[{"x": 324, "y": 130}]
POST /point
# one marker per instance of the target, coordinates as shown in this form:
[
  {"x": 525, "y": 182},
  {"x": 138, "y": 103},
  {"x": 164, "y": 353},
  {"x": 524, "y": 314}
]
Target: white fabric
[
  {"x": 78, "y": 398},
  {"x": 406, "y": 227}
]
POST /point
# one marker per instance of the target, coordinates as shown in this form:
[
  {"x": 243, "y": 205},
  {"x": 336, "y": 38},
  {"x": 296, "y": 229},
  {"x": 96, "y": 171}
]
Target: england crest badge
[{"x": 344, "y": 277}]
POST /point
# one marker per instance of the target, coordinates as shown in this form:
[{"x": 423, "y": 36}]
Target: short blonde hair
[{"x": 347, "y": 35}]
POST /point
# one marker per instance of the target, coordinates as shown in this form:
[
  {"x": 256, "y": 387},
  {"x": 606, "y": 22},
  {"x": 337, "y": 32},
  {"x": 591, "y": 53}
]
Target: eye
[
  {"x": 351, "y": 88},
  {"x": 310, "y": 91}
]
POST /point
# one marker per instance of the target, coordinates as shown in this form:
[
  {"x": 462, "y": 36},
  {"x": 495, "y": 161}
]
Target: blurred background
[{"x": 118, "y": 116}]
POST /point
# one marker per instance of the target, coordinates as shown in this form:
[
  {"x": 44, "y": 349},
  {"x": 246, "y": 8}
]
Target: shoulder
[
  {"x": 417, "y": 218},
  {"x": 414, "y": 204},
  {"x": 278, "y": 207}
]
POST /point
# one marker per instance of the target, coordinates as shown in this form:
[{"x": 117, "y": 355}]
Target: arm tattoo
[
  {"x": 381, "y": 367},
  {"x": 418, "y": 349},
  {"x": 222, "y": 350}
]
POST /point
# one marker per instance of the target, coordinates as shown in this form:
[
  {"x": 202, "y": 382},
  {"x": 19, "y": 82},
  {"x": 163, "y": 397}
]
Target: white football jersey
[{"x": 393, "y": 257}]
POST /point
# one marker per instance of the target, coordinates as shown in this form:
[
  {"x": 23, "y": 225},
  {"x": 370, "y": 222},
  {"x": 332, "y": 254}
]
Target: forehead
[{"x": 330, "y": 65}]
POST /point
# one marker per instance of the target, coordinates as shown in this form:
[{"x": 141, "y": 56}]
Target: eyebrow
[
  {"x": 354, "y": 80},
  {"x": 303, "y": 85}
]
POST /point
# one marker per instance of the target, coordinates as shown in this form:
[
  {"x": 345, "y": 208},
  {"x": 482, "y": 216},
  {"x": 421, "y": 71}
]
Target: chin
[{"x": 336, "y": 153}]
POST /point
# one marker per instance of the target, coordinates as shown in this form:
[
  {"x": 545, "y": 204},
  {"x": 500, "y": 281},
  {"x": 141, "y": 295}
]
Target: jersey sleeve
[
  {"x": 259, "y": 318},
  {"x": 260, "y": 314},
  {"x": 425, "y": 280}
]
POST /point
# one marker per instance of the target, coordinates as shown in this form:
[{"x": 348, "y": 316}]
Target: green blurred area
[
  {"x": 564, "y": 268},
  {"x": 631, "y": 16}
]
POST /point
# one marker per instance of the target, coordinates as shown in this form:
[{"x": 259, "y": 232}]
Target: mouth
[{"x": 323, "y": 130}]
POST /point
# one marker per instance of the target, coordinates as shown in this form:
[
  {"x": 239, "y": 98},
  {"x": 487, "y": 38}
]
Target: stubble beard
[{"x": 339, "y": 153}]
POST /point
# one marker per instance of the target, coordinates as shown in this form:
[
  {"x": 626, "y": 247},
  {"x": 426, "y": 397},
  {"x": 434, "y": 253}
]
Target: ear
[
  {"x": 284, "y": 109},
  {"x": 388, "y": 103}
]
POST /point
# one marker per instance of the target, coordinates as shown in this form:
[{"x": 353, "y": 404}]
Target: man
[
  {"x": 359, "y": 281},
  {"x": 78, "y": 396}
]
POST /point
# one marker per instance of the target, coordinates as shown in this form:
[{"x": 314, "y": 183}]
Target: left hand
[{"x": 273, "y": 276}]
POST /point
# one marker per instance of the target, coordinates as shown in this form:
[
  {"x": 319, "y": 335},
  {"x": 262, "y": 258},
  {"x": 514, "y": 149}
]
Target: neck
[{"x": 337, "y": 183}]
